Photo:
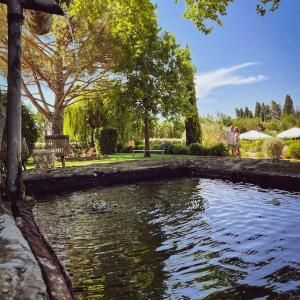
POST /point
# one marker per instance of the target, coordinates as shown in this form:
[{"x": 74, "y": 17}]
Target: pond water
[{"x": 178, "y": 239}]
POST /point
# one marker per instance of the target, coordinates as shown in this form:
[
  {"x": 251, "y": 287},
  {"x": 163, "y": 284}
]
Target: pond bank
[
  {"x": 266, "y": 173},
  {"x": 20, "y": 275},
  {"x": 29, "y": 268}
]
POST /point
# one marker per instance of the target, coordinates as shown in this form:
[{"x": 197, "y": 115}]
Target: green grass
[{"x": 115, "y": 158}]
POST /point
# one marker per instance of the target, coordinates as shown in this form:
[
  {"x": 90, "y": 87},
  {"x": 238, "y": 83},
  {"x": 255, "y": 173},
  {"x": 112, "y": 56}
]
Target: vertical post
[{"x": 14, "y": 106}]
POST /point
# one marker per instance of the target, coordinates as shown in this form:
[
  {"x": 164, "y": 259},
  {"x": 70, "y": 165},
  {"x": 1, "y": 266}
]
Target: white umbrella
[
  {"x": 289, "y": 134},
  {"x": 254, "y": 135}
]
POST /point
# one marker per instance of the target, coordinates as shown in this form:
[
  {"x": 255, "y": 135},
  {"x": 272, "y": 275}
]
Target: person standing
[
  {"x": 237, "y": 144},
  {"x": 230, "y": 140}
]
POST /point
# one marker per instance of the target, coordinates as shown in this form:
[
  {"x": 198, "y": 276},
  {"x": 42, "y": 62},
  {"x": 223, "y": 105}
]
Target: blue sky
[{"x": 249, "y": 59}]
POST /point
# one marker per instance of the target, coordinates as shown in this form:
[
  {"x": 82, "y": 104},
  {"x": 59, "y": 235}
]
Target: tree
[
  {"x": 288, "y": 107},
  {"x": 202, "y": 11},
  {"x": 257, "y": 112},
  {"x": 275, "y": 111},
  {"x": 82, "y": 118},
  {"x": 156, "y": 85},
  {"x": 48, "y": 63},
  {"x": 192, "y": 121}
]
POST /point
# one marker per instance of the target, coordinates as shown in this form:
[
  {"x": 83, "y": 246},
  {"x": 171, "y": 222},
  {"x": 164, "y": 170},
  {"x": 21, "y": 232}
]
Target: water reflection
[{"x": 181, "y": 239}]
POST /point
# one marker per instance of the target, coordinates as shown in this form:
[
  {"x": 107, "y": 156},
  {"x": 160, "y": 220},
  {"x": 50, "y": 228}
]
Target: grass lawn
[{"x": 115, "y": 158}]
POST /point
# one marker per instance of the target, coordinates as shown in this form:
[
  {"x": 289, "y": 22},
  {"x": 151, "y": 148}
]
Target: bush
[
  {"x": 218, "y": 150},
  {"x": 106, "y": 140},
  {"x": 156, "y": 147},
  {"x": 140, "y": 147},
  {"x": 198, "y": 149},
  {"x": 128, "y": 149},
  {"x": 179, "y": 149},
  {"x": 256, "y": 146},
  {"x": 260, "y": 155},
  {"x": 166, "y": 146},
  {"x": 294, "y": 150},
  {"x": 273, "y": 147}
]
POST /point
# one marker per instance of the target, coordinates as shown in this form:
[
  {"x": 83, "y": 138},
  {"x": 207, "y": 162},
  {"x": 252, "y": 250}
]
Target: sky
[{"x": 251, "y": 58}]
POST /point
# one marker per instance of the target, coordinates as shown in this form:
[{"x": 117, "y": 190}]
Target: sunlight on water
[{"x": 180, "y": 239}]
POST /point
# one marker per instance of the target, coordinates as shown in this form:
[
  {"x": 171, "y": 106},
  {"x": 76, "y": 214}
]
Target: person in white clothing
[
  {"x": 230, "y": 140},
  {"x": 237, "y": 145}
]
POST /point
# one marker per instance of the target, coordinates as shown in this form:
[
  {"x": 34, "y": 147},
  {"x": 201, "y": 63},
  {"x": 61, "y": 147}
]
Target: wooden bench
[
  {"x": 143, "y": 151},
  {"x": 60, "y": 144}
]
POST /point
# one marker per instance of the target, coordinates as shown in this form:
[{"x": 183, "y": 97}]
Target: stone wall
[{"x": 266, "y": 173}]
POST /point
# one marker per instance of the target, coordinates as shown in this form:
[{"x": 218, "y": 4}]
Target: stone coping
[
  {"x": 266, "y": 173},
  {"x": 20, "y": 274}
]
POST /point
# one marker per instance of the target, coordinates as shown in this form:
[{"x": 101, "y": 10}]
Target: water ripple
[{"x": 180, "y": 239}]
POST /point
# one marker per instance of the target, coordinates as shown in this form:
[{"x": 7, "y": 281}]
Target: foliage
[
  {"x": 273, "y": 147},
  {"x": 192, "y": 121},
  {"x": 30, "y": 129},
  {"x": 198, "y": 149},
  {"x": 106, "y": 140},
  {"x": 140, "y": 147},
  {"x": 168, "y": 130},
  {"x": 128, "y": 149},
  {"x": 215, "y": 150},
  {"x": 167, "y": 147},
  {"x": 294, "y": 150},
  {"x": 218, "y": 150},
  {"x": 275, "y": 112},
  {"x": 82, "y": 118},
  {"x": 201, "y": 12},
  {"x": 288, "y": 107},
  {"x": 179, "y": 149}
]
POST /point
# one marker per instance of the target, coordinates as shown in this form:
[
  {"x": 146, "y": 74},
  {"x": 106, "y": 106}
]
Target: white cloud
[{"x": 206, "y": 83}]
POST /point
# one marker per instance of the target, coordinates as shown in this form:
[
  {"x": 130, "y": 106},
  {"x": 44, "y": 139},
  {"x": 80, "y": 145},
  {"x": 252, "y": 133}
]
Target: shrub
[
  {"x": 218, "y": 150},
  {"x": 156, "y": 147},
  {"x": 128, "y": 149},
  {"x": 140, "y": 147},
  {"x": 273, "y": 147},
  {"x": 167, "y": 147},
  {"x": 179, "y": 149},
  {"x": 260, "y": 155},
  {"x": 257, "y": 146},
  {"x": 294, "y": 150},
  {"x": 198, "y": 149},
  {"x": 106, "y": 140}
]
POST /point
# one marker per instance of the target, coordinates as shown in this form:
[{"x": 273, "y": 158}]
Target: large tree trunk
[
  {"x": 58, "y": 122},
  {"x": 2, "y": 124},
  {"x": 147, "y": 137}
]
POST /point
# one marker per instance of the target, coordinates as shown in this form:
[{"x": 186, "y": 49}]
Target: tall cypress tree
[
  {"x": 275, "y": 110},
  {"x": 192, "y": 121},
  {"x": 257, "y": 112},
  {"x": 288, "y": 107}
]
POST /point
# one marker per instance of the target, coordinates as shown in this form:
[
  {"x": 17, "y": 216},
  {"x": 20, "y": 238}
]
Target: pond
[{"x": 178, "y": 239}]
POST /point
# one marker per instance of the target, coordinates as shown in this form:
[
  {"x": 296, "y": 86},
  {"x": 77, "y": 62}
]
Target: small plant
[
  {"x": 179, "y": 149},
  {"x": 294, "y": 150},
  {"x": 273, "y": 147}
]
